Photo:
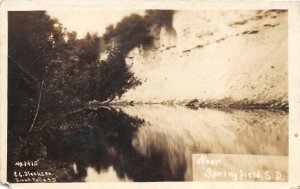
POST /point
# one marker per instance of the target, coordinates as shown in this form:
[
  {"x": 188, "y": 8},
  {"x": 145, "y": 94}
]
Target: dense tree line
[
  {"x": 51, "y": 72},
  {"x": 42, "y": 51},
  {"x": 44, "y": 59}
]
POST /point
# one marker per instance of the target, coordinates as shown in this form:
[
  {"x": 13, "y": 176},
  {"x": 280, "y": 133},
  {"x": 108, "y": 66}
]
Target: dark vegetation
[{"x": 51, "y": 72}]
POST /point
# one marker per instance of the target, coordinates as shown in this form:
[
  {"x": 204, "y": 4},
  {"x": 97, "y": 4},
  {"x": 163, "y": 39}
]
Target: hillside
[{"x": 215, "y": 58}]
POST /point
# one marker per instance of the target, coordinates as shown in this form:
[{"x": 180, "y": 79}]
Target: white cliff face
[{"x": 215, "y": 55}]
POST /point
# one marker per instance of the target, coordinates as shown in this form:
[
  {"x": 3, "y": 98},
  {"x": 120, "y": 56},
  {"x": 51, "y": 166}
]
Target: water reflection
[
  {"x": 178, "y": 132},
  {"x": 154, "y": 143}
]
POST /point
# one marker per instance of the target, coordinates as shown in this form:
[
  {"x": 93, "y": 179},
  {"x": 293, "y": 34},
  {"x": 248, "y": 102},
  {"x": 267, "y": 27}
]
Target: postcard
[{"x": 152, "y": 94}]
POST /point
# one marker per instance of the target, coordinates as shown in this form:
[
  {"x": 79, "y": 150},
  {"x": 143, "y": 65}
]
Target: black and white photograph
[{"x": 147, "y": 95}]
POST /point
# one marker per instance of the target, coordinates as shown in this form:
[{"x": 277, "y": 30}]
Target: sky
[{"x": 90, "y": 21}]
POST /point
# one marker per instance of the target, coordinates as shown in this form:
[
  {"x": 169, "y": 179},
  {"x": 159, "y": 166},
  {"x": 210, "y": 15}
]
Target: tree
[
  {"x": 113, "y": 77},
  {"x": 131, "y": 32},
  {"x": 89, "y": 49},
  {"x": 33, "y": 40}
]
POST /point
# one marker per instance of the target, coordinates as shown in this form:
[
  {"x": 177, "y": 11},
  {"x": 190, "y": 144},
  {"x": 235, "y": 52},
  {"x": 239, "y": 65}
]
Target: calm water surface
[
  {"x": 153, "y": 142},
  {"x": 161, "y": 147}
]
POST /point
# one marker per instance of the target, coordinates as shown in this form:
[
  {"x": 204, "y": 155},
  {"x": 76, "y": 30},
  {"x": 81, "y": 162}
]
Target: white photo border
[{"x": 73, "y": 5}]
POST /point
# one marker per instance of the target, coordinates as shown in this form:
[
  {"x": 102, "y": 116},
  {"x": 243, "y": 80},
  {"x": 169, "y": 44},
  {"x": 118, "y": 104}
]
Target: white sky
[{"x": 94, "y": 21}]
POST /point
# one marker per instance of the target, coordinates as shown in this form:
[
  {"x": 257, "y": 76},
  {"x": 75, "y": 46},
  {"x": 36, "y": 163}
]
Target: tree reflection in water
[{"x": 99, "y": 139}]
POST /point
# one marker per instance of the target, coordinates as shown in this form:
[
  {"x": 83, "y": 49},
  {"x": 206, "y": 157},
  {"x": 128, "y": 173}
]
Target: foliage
[
  {"x": 160, "y": 17},
  {"x": 43, "y": 53},
  {"x": 70, "y": 76},
  {"x": 131, "y": 32},
  {"x": 135, "y": 30},
  {"x": 41, "y": 50},
  {"x": 33, "y": 42},
  {"x": 113, "y": 77}
]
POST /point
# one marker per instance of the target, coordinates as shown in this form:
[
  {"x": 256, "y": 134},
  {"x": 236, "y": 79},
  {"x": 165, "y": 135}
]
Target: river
[
  {"x": 161, "y": 147},
  {"x": 151, "y": 142}
]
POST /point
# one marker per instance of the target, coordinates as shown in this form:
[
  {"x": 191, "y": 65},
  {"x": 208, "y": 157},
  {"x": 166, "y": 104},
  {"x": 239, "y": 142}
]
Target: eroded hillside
[{"x": 209, "y": 58}]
